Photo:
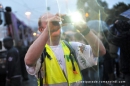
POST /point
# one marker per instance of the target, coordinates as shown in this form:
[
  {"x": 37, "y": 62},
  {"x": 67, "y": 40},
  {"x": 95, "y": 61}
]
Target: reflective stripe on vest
[{"x": 54, "y": 73}]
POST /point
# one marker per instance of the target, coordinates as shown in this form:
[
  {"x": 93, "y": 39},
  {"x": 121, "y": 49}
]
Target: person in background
[
  {"x": 22, "y": 51},
  {"x": 13, "y": 74},
  {"x": 119, "y": 35}
]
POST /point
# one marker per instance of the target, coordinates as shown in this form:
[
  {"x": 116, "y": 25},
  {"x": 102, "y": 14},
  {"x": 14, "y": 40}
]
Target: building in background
[{"x": 11, "y": 26}]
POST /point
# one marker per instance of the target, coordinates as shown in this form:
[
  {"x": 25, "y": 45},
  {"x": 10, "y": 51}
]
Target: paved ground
[{"x": 31, "y": 82}]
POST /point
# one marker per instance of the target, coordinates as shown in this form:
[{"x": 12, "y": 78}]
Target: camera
[
  {"x": 66, "y": 19},
  {"x": 56, "y": 23}
]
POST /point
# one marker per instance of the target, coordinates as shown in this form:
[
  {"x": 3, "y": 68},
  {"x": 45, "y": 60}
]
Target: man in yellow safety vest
[{"x": 59, "y": 70}]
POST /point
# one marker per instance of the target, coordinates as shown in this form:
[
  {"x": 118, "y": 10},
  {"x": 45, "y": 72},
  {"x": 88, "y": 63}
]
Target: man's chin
[{"x": 55, "y": 36}]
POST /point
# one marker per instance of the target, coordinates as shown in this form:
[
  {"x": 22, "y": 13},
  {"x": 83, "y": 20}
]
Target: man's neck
[{"x": 53, "y": 42}]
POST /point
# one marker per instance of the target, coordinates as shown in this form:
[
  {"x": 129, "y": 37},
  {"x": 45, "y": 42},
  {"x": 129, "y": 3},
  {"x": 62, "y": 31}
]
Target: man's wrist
[{"x": 85, "y": 32}]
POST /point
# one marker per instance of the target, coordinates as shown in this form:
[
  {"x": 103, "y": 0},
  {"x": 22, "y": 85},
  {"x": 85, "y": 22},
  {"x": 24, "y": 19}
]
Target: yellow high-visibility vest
[{"x": 53, "y": 72}]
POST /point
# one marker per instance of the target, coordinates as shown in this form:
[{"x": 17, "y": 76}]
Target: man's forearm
[
  {"x": 36, "y": 49},
  {"x": 95, "y": 43}
]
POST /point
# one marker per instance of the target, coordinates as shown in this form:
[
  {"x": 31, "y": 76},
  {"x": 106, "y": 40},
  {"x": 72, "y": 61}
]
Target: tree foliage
[
  {"x": 115, "y": 12},
  {"x": 95, "y": 8},
  {"x": 98, "y": 9}
]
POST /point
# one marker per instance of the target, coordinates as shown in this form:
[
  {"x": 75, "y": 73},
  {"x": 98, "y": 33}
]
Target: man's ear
[{"x": 40, "y": 29}]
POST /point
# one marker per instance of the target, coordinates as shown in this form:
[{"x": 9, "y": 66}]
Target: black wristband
[{"x": 86, "y": 31}]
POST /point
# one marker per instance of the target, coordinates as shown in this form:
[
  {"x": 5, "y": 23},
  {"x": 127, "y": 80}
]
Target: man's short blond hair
[{"x": 39, "y": 21}]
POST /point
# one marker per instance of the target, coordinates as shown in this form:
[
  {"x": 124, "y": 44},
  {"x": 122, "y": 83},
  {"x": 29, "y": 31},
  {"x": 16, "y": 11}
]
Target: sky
[
  {"x": 113, "y": 2},
  {"x": 38, "y": 7}
]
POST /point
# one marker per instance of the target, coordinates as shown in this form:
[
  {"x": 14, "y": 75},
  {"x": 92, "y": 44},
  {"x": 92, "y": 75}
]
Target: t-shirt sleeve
[
  {"x": 84, "y": 55},
  {"x": 35, "y": 69}
]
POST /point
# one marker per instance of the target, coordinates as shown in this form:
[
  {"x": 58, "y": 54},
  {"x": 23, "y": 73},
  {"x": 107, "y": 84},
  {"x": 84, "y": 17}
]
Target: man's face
[{"x": 53, "y": 26}]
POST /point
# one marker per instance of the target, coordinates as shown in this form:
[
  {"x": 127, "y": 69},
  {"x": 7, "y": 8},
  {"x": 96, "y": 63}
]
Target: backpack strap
[
  {"x": 72, "y": 55},
  {"x": 43, "y": 55},
  {"x": 72, "y": 51},
  {"x": 39, "y": 72}
]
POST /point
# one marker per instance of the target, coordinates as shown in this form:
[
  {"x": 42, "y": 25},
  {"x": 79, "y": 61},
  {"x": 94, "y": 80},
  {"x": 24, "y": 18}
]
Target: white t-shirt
[
  {"x": 59, "y": 53},
  {"x": 85, "y": 58}
]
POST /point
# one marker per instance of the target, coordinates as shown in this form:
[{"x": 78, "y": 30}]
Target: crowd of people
[
  {"x": 106, "y": 69},
  {"x": 68, "y": 60},
  {"x": 15, "y": 72},
  {"x": 114, "y": 65}
]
